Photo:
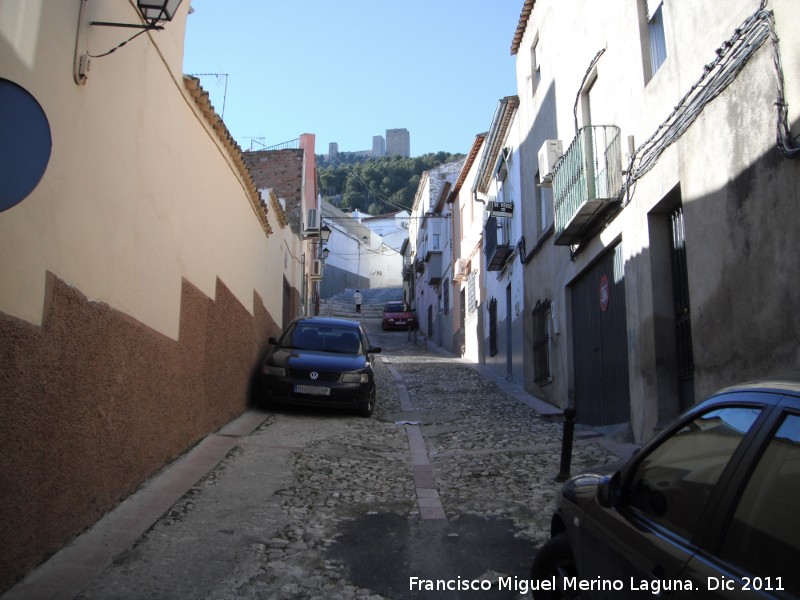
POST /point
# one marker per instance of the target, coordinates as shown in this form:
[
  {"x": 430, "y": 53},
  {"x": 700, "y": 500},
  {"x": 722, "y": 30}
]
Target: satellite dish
[{"x": 25, "y": 144}]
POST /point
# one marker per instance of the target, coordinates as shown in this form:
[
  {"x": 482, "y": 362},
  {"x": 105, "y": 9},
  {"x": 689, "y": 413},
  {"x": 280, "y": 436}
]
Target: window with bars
[
  {"x": 544, "y": 198},
  {"x": 541, "y": 342},
  {"x": 493, "y": 327},
  {"x": 446, "y": 296},
  {"x": 472, "y": 303}
]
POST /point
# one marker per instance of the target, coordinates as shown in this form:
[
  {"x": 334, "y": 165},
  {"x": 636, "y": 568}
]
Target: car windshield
[
  {"x": 324, "y": 338},
  {"x": 395, "y": 308}
]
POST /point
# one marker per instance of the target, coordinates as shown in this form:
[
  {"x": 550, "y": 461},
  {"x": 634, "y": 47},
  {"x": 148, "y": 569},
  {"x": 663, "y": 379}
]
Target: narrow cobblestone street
[{"x": 451, "y": 479}]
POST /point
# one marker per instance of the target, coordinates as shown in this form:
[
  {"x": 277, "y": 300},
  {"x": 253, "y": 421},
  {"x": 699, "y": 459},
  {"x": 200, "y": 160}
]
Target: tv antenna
[
  {"x": 225, "y": 89},
  {"x": 258, "y": 140}
]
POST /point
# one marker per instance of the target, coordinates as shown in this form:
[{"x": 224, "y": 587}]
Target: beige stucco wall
[
  {"x": 140, "y": 279},
  {"x": 143, "y": 220}
]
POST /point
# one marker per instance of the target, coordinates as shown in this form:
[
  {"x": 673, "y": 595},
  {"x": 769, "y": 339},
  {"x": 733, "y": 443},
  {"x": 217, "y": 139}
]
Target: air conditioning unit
[
  {"x": 549, "y": 153},
  {"x": 316, "y": 269},
  {"x": 312, "y": 219},
  {"x": 460, "y": 272}
]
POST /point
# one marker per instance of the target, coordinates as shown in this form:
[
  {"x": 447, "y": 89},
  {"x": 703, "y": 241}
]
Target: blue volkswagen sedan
[{"x": 324, "y": 362}]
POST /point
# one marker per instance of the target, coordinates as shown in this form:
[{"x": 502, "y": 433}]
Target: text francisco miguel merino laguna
[{"x": 653, "y": 586}]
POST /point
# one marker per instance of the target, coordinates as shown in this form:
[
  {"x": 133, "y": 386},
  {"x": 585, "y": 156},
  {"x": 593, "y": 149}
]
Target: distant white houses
[
  {"x": 391, "y": 227},
  {"x": 363, "y": 251}
]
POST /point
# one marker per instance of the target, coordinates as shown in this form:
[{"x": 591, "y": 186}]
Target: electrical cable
[
  {"x": 379, "y": 195},
  {"x": 133, "y": 37},
  {"x": 717, "y": 75},
  {"x": 583, "y": 84}
]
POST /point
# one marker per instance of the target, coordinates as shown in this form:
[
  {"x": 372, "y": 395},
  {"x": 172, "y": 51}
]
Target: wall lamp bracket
[
  {"x": 152, "y": 12},
  {"x": 149, "y": 26}
]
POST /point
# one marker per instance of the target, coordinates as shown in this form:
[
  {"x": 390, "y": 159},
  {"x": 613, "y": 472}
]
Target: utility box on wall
[{"x": 549, "y": 153}]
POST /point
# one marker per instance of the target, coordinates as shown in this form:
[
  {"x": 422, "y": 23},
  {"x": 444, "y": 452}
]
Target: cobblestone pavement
[{"x": 315, "y": 505}]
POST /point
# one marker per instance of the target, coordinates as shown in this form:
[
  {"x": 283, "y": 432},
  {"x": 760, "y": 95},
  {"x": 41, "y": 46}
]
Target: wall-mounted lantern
[
  {"x": 153, "y": 13},
  {"x": 325, "y": 234},
  {"x": 158, "y": 11}
]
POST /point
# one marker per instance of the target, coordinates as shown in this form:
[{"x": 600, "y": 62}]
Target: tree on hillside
[{"x": 376, "y": 185}]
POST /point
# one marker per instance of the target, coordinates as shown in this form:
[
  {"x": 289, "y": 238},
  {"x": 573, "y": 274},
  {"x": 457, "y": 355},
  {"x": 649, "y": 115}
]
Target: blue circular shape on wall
[{"x": 25, "y": 144}]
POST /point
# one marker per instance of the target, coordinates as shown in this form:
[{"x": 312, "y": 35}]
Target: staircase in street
[{"x": 341, "y": 305}]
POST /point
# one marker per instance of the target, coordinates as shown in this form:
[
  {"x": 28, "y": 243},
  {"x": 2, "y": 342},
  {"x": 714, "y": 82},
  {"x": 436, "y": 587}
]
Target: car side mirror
[
  {"x": 273, "y": 341},
  {"x": 374, "y": 350},
  {"x": 609, "y": 490}
]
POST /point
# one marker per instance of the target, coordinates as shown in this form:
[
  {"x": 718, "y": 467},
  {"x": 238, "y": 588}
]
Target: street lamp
[
  {"x": 154, "y": 11},
  {"x": 325, "y": 234},
  {"x": 153, "y": 14}
]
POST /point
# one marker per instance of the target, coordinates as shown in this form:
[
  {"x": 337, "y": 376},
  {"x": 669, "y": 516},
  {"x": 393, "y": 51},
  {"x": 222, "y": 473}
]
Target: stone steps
[{"x": 373, "y": 300}]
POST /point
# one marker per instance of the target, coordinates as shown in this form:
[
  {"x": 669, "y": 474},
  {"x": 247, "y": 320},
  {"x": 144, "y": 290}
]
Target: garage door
[{"x": 600, "y": 344}]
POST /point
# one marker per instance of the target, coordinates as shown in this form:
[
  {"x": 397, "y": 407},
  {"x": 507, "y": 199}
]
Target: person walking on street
[{"x": 357, "y": 299}]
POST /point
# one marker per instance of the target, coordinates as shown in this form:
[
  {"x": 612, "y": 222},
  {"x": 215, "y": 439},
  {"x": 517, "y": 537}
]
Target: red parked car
[{"x": 398, "y": 315}]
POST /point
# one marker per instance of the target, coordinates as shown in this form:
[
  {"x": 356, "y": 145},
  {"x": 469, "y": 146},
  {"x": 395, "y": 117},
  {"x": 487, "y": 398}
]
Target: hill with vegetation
[{"x": 375, "y": 185}]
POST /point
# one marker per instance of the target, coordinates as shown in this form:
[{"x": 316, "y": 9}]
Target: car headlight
[
  {"x": 355, "y": 378},
  {"x": 274, "y": 371}
]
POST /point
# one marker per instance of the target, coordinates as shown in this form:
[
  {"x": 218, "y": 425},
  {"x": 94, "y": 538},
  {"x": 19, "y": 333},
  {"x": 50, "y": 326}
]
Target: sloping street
[{"x": 450, "y": 481}]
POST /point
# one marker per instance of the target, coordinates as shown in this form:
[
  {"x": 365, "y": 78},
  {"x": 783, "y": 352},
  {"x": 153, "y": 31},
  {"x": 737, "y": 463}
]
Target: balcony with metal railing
[
  {"x": 587, "y": 183},
  {"x": 497, "y": 253}
]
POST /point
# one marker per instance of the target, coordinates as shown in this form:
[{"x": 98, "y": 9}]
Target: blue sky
[{"x": 352, "y": 69}]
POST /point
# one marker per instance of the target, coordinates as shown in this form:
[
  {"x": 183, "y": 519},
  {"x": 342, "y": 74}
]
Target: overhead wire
[{"x": 378, "y": 194}]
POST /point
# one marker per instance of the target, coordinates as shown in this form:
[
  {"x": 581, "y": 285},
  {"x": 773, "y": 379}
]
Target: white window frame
[
  {"x": 536, "y": 67},
  {"x": 657, "y": 38}
]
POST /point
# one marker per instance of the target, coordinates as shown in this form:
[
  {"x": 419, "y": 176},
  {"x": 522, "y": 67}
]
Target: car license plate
[
  {"x": 313, "y": 390},
  {"x": 401, "y": 321}
]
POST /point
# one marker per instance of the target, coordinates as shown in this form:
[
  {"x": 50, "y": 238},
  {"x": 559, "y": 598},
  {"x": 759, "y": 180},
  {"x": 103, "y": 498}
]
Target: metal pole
[{"x": 566, "y": 443}]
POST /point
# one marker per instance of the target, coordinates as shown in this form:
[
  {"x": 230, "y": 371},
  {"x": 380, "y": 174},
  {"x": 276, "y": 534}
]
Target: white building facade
[
  {"x": 430, "y": 271},
  {"x": 497, "y": 188},
  {"x": 659, "y": 187}
]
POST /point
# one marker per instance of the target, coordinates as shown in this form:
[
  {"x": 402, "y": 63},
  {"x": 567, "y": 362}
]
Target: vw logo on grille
[{"x": 313, "y": 375}]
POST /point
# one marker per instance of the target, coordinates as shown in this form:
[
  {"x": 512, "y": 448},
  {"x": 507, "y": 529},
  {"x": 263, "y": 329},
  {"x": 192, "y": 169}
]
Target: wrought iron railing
[
  {"x": 290, "y": 145},
  {"x": 590, "y": 172}
]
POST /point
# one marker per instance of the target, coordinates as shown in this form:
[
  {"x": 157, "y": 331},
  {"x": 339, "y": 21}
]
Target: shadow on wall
[
  {"x": 740, "y": 252},
  {"x": 96, "y": 402}
]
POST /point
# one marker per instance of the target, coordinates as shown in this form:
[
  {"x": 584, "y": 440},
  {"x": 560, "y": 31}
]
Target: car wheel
[
  {"x": 554, "y": 560},
  {"x": 367, "y": 409}
]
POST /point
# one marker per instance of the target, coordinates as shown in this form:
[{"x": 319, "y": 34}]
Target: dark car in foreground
[
  {"x": 323, "y": 362},
  {"x": 710, "y": 508},
  {"x": 398, "y": 315}
]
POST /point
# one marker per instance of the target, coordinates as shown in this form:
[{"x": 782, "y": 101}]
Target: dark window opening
[{"x": 541, "y": 342}]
